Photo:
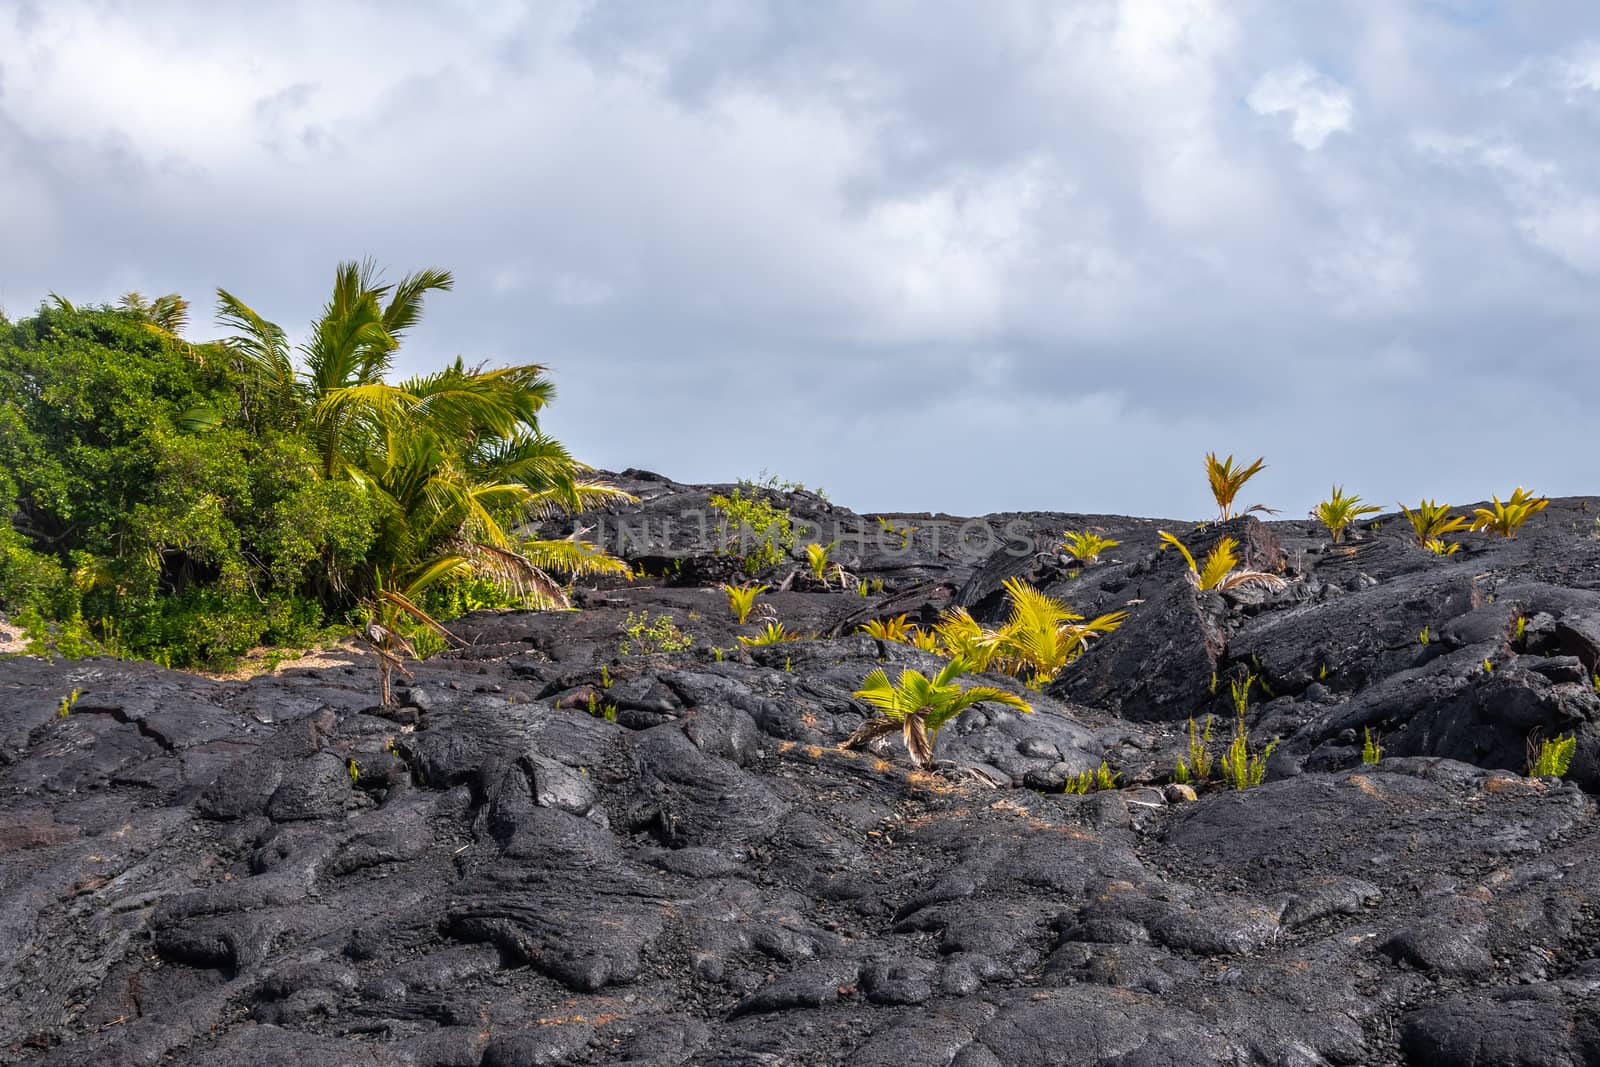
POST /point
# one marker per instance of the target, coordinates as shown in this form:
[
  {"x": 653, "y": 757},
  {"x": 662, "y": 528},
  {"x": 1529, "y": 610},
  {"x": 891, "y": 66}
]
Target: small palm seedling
[
  {"x": 68, "y": 703},
  {"x": 919, "y": 706},
  {"x": 1430, "y": 522},
  {"x": 817, "y": 558},
  {"x": 1440, "y": 547},
  {"x": 1425, "y": 635},
  {"x": 1553, "y": 758},
  {"x": 741, "y": 598},
  {"x": 1241, "y": 768},
  {"x": 773, "y": 633},
  {"x": 1339, "y": 511},
  {"x": 1042, "y": 635},
  {"x": 1371, "y": 746},
  {"x": 1506, "y": 519},
  {"x": 1086, "y": 547},
  {"x": 1226, "y": 481},
  {"x": 1221, "y": 571},
  {"x": 895, "y": 629},
  {"x": 1101, "y": 778},
  {"x": 926, "y": 640}
]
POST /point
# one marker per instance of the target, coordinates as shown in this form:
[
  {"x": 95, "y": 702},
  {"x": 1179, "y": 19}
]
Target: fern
[
  {"x": 1101, "y": 778},
  {"x": 1241, "y": 768},
  {"x": 1555, "y": 757},
  {"x": 1200, "y": 757},
  {"x": 1371, "y": 746}
]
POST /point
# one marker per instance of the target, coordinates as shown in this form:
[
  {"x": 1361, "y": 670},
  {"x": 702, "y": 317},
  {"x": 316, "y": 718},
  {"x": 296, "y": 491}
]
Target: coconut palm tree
[
  {"x": 454, "y": 461},
  {"x": 918, "y": 706}
]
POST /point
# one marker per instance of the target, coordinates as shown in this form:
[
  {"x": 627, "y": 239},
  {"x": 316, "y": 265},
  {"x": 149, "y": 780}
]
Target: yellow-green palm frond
[
  {"x": 962, "y": 637},
  {"x": 575, "y": 558},
  {"x": 926, "y": 640},
  {"x": 513, "y": 572},
  {"x": 1226, "y": 481},
  {"x": 1171, "y": 540},
  {"x": 1222, "y": 559}
]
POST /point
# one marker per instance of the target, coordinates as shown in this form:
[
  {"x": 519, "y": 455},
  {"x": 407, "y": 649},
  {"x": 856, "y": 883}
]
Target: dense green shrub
[{"x": 142, "y": 500}]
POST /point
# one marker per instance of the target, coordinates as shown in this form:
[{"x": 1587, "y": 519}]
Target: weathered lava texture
[{"x": 192, "y": 874}]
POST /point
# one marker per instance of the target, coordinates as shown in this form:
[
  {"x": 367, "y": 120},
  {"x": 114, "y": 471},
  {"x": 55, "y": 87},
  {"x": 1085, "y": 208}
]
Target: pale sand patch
[{"x": 346, "y": 653}]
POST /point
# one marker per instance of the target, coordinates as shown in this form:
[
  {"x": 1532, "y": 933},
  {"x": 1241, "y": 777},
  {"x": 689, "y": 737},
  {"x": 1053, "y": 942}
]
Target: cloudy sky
[{"x": 946, "y": 256}]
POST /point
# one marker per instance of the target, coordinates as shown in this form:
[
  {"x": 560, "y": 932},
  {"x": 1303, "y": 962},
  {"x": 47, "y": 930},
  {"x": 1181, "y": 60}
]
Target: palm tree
[
  {"x": 918, "y": 706},
  {"x": 455, "y": 460}
]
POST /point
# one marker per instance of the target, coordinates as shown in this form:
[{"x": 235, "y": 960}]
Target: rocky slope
[{"x": 192, "y": 873}]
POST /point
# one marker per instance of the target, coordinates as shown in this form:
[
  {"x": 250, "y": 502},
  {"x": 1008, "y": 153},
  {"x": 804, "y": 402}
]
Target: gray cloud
[{"x": 962, "y": 258}]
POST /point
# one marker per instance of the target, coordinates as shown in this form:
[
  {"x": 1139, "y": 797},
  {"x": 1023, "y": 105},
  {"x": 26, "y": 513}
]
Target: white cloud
[
  {"x": 1319, "y": 106},
  {"x": 1369, "y": 269}
]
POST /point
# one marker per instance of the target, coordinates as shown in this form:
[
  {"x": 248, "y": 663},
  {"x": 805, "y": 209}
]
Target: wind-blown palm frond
[{"x": 260, "y": 349}]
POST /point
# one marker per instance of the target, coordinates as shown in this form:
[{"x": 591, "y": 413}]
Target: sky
[{"x": 935, "y": 256}]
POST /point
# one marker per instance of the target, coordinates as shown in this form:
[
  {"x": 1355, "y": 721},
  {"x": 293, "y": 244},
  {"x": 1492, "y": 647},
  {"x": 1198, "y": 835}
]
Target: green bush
[{"x": 758, "y": 532}]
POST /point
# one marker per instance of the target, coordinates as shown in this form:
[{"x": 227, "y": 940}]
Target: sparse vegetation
[
  {"x": 1095, "y": 781},
  {"x": 919, "y": 706},
  {"x": 1339, "y": 511},
  {"x": 645, "y": 635},
  {"x": 1200, "y": 758},
  {"x": 68, "y": 703},
  {"x": 1240, "y": 767},
  {"x": 756, "y": 531},
  {"x": 1371, "y": 746}
]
